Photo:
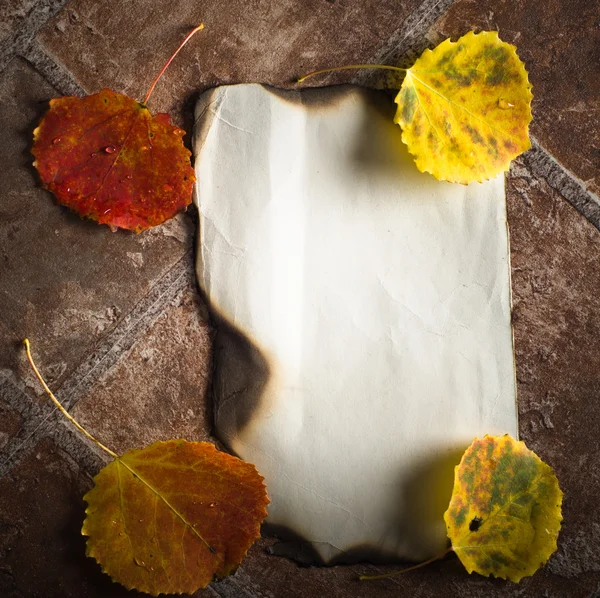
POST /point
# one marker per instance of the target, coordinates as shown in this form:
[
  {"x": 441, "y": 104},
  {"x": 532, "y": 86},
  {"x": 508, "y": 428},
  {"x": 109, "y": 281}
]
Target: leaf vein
[
  {"x": 497, "y": 129},
  {"x": 177, "y": 513}
]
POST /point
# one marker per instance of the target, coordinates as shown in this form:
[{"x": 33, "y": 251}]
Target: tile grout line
[
  {"x": 19, "y": 400},
  {"x": 544, "y": 165},
  {"x": 412, "y": 34},
  {"x": 22, "y": 38},
  {"x": 84, "y": 452},
  {"x": 33, "y": 414},
  {"x": 120, "y": 340},
  {"x": 51, "y": 70},
  {"x": 83, "y": 378},
  {"x": 238, "y": 585}
]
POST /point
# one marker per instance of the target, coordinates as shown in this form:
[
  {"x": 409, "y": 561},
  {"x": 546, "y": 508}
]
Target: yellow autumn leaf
[
  {"x": 171, "y": 517},
  {"x": 505, "y": 512},
  {"x": 465, "y": 108}
]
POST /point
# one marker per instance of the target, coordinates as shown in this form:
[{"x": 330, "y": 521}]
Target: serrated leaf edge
[{"x": 417, "y": 156}]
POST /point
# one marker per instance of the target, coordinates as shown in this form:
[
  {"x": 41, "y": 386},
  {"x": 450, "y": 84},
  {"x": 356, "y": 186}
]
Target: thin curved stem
[
  {"x": 62, "y": 409},
  {"x": 164, "y": 68},
  {"x": 351, "y": 66},
  {"x": 394, "y": 573}
]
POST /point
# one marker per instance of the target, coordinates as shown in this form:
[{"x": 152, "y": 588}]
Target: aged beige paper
[{"x": 364, "y": 313}]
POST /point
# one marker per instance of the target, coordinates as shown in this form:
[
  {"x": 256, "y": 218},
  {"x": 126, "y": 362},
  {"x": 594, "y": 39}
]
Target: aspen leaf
[
  {"x": 465, "y": 108},
  {"x": 505, "y": 512},
  {"x": 171, "y": 517},
  {"x": 107, "y": 158}
]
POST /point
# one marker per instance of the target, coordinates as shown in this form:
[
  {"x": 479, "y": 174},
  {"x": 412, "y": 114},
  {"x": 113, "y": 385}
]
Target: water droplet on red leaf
[{"x": 60, "y": 159}]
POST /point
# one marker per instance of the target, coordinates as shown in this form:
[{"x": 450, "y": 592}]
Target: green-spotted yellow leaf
[
  {"x": 505, "y": 512},
  {"x": 465, "y": 108}
]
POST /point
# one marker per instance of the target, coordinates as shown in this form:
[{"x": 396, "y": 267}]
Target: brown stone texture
[
  {"x": 42, "y": 551},
  {"x": 65, "y": 282},
  {"x": 559, "y": 42},
  {"x": 10, "y": 422},
  {"x": 12, "y": 14},
  {"x": 268, "y": 42},
  {"x": 556, "y": 279},
  {"x": 159, "y": 388},
  {"x": 262, "y": 575}
]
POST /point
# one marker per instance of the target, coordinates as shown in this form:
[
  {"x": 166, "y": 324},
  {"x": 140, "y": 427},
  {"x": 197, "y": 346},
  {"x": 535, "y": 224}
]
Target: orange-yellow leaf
[
  {"x": 505, "y": 511},
  {"x": 465, "y": 108},
  {"x": 173, "y": 516}
]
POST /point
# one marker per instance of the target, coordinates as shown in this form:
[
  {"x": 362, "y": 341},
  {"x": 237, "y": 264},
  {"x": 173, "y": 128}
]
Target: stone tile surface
[
  {"x": 12, "y": 14},
  {"x": 34, "y": 547},
  {"x": 10, "y": 422},
  {"x": 256, "y": 41},
  {"x": 262, "y": 575},
  {"x": 159, "y": 389},
  {"x": 559, "y": 42},
  {"x": 556, "y": 279},
  {"x": 65, "y": 282},
  {"x": 42, "y": 551}
]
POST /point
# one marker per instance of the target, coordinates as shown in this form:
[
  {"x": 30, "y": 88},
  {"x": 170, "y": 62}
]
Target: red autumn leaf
[{"x": 108, "y": 159}]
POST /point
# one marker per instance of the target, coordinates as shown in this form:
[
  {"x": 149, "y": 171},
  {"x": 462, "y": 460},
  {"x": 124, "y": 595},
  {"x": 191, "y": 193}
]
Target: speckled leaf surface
[
  {"x": 505, "y": 512},
  {"x": 108, "y": 159},
  {"x": 174, "y": 516},
  {"x": 465, "y": 108}
]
